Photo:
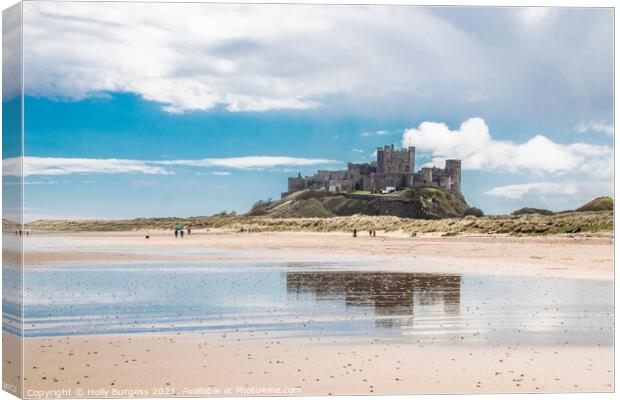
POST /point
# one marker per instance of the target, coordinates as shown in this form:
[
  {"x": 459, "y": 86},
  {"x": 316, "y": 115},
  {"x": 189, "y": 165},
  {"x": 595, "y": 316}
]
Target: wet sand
[
  {"x": 194, "y": 364},
  {"x": 577, "y": 256},
  {"x": 201, "y": 364}
]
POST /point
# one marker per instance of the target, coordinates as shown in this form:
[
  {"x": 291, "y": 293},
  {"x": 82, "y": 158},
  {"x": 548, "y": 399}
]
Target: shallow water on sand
[
  {"x": 312, "y": 300},
  {"x": 91, "y": 245}
]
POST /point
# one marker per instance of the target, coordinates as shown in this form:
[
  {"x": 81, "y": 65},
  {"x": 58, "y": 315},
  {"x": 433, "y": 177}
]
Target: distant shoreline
[
  {"x": 594, "y": 222},
  {"x": 574, "y": 256}
]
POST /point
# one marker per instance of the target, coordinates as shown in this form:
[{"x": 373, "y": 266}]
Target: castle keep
[{"x": 393, "y": 168}]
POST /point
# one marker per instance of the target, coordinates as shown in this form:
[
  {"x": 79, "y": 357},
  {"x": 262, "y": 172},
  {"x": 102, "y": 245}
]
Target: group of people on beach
[
  {"x": 177, "y": 231},
  {"x": 371, "y": 233},
  {"x": 181, "y": 232}
]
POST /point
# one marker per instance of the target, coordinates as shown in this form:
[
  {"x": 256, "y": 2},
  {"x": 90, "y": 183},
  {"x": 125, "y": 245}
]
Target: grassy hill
[
  {"x": 603, "y": 203},
  {"x": 424, "y": 203},
  {"x": 530, "y": 210}
]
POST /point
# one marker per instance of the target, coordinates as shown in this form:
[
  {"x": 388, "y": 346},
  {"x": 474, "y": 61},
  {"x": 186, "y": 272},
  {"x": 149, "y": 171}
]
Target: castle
[{"x": 392, "y": 169}]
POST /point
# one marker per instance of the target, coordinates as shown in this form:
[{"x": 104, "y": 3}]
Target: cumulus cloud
[
  {"x": 66, "y": 166},
  {"x": 246, "y": 57},
  {"x": 474, "y": 145},
  {"x": 222, "y": 173},
  {"x": 595, "y": 126}
]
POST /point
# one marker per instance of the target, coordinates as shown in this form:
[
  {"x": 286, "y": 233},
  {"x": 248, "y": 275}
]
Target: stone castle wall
[{"x": 392, "y": 168}]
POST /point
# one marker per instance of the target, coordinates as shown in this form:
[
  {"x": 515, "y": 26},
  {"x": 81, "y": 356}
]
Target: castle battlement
[{"x": 393, "y": 168}]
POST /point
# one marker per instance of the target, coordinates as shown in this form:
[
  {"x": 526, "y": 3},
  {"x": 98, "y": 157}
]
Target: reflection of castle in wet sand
[{"x": 392, "y": 296}]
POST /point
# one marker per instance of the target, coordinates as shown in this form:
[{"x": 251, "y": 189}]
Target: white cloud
[
  {"x": 187, "y": 56},
  {"x": 246, "y": 57},
  {"x": 560, "y": 195},
  {"x": 19, "y": 182},
  {"x": 376, "y": 133},
  {"x": 532, "y": 16},
  {"x": 594, "y": 126},
  {"x": 11, "y": 166},
  {"x": 357, "y": 150},
  {"x": 474, "y": 145},
  {"x": 520, "y": 191},
  {"x": 250, "y": 162},
  {"x": 11, "y": 52},
  {"x": 66, "y": 166},
  {"x": 222, "y": 173},
  {"x": 40, "y": 183}
]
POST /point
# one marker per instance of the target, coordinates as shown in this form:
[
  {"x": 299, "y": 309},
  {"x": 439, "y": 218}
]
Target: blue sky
[{"x": 189, "y": 109}]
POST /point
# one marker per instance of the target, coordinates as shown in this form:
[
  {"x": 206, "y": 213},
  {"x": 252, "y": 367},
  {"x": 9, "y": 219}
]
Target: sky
[{"x": 141, "y": 110}]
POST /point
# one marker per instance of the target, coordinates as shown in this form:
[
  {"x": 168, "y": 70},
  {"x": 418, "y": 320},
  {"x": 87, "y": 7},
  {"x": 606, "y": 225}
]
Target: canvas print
[{"x": 290, "y": 200}]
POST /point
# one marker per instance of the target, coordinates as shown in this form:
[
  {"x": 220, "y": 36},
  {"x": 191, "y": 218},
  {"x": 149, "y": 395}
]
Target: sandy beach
[
  {"x": 579, "y": 256},
  {"x": 193, "y": 365},
  {"x": 261, "y": 362}
]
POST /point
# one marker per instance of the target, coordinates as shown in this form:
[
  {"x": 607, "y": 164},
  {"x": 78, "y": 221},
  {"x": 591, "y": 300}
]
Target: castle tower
[
  {"x": 411, "y": 154},
  {"x": 381, "y": 160},
  {"x": 427, "y": 175},
  {"x": 392, "y": 161},
  {"x": 453, "y": 168},
  {"x": 296, "y": 183}
]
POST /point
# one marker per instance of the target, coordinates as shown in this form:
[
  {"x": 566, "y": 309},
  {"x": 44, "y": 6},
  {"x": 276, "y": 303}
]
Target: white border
[{"x": 484, "y": 3}]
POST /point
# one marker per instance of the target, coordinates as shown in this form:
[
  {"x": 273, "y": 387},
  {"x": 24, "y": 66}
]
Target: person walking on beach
[
  {"x": 181, "y": 234},
  {"x": 354, "y": 232},
  {"x": 176, "y": 234},
  {"x": 374, "y": 233},
  {"x": 189, "y": 231}
]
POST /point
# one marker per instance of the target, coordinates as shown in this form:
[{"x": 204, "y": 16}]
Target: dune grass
[{"x": 531, "y": 224}]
